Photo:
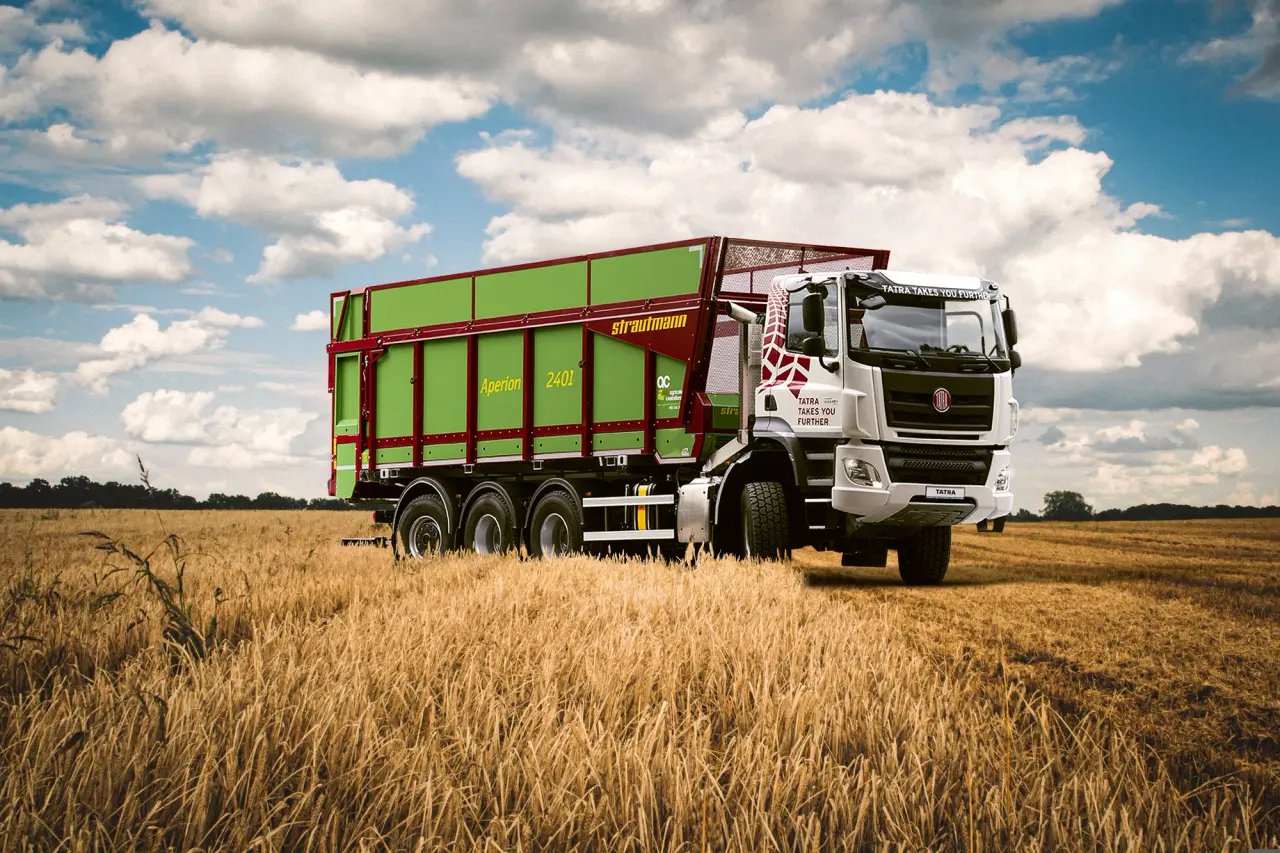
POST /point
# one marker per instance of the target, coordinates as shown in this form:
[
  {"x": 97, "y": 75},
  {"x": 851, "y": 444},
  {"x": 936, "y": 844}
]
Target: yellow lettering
[{"x": 649, "y": 324}]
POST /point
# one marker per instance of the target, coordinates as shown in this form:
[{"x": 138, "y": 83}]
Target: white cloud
[
  {"x": 226, "y": 436},
  {"x": 1033, "y": 415},
  {"x": 947, "y": 188},
  {"x": 1143, "y": 461},
  {"x": 595, "y": 59},
  {"x": 80, "y": 248},
  {"x": 1171, "y": 476},
  {"x": 1259, "y": 47},
  {"x": 142, "y": 341},
  {"x": 319, "y": 218},
  {"x": 311, "y": 321},
  {"x": 26, "y": 454},
  {"x": 159, "y": 91},
  {"x": 27, "y": 390},
  {"x": 25, "y": 26}
]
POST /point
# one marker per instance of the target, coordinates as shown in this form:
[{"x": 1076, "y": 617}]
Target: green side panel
[
  {"x": 645, "y": 275},
  {"x": 529, "y": 290},
  {"x": 393, "y": 392},
  {"x": 444, "y": 388},
  {"x": 557, "y": 378},
  {"x": 557, "y": 444},
  {"x": 724, "y": 411},
  {"x": 345, "y": 482},
  {"x": 395, "y": 454},
  {"x": 618, "y": 440},
  {"x": 346, "y": 394},
  {"x": 499, "y": 381},
  {"x": 498, "y": 447},
  {"x": 353, "y": 323},
  {"x": 713, "y": 442},
  {"x": 669, "y": 379},
  {"x": 673, "y": 443},
  {"x": 452, "y": 450},
  {"x": 428, "y": 304},
  {"x": 618, "y": 380}
]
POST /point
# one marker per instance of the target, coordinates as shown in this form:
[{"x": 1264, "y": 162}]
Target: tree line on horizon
[
  {"x": 1071, "y": 506},
  {"x": 81, "y": 492}
]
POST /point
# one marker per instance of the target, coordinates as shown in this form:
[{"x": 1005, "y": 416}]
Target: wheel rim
[
  {"x": 425, "y": 536},
  {"x": 488, "y": 535},
  {"x": 553, "y": 536}
]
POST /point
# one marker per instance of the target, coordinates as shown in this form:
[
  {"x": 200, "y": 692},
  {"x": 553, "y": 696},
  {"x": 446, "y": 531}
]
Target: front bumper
[{"x": 908, "y": 503}]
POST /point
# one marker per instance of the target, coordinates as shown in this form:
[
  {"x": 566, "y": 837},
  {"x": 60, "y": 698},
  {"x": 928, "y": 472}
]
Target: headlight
[
  {"x": 1013, "y": 418},
  {"x": 862, "y": 473},
  {"x": 1004, "y": 479}
]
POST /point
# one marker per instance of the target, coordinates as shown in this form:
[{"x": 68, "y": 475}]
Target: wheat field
[{"x": 1078, "y": 686}]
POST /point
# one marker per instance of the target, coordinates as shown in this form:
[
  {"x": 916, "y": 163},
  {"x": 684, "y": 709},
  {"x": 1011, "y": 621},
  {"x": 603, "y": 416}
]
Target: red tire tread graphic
[{"x": 779, "y": 368}]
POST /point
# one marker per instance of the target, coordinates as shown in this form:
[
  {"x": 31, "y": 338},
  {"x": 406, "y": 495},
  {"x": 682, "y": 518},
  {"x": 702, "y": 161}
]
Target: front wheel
[
  {"x": 924, "y": 557},
  {"x": 764, "y": 521}
]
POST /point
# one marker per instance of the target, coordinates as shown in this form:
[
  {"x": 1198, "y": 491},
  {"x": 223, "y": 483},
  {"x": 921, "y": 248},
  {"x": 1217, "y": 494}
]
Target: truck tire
[
  {"x": 555, "y": 527},
  {"x": 924, "y": 557},
  {"x": 764, "y": 521},
  {"x": 424, "y": 527},
  {"x": 490, "y": 527}
]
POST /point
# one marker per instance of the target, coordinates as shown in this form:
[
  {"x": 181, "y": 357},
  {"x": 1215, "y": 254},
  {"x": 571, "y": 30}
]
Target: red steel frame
[{"x": 703, "y": 304}]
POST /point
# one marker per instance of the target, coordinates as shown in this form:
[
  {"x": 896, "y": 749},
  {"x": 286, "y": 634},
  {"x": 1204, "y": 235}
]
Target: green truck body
[{"x": 598, "y": 354}]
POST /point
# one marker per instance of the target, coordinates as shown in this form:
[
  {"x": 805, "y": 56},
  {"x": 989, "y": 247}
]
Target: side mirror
[
  {"x": 1010, "y": 327},
  {"x": 1015, "y": 360},
  {"x": 811, "y": 313},
  {"x": 813, "y": 346},
  {"x": 872, "y": 302}
]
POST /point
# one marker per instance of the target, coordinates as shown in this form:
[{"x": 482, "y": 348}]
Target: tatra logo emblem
[{"x": 941, "y": 400}]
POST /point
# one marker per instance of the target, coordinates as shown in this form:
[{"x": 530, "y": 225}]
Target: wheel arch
[
  {"x": 551, "y": 484},
  {"x": 511, "y": 496},
  {"x": 427, "y": 485},
  {"x": 778, "y": 432}
]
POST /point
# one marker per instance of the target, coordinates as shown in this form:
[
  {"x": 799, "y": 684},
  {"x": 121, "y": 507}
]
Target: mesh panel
[
  {"x": 722, "y": 372},
  {"x": 749, "y": 267},
  {"x": 740, "y": 255}
]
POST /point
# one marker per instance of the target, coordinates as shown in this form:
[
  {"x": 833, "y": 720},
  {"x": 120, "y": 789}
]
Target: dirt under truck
[{"x": 748, "y": 396}]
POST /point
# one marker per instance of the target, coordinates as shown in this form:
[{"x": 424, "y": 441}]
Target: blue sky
[{"x": 182, "y": 182}]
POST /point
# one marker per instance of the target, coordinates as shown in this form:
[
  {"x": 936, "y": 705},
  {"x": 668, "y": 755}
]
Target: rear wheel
[
  {"x": 490, "y": 527},
  {"x": 424, "y": 527},
  {"x": 555, "y": 528},
  {"x": 764, "y": 521},
  {"x": 924, "y": 557}
]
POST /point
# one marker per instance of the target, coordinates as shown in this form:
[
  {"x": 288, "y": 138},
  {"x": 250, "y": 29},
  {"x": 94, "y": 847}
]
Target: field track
[{"x": 1074, "y": 686}]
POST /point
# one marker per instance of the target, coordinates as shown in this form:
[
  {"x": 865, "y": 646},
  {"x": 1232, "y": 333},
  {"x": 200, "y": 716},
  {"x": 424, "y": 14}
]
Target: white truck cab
[{"x": 892, "y": 394}]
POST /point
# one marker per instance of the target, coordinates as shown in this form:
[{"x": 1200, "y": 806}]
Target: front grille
[
  {"x": 908, "y": 400},
  {"x": 937, "y": 466}
]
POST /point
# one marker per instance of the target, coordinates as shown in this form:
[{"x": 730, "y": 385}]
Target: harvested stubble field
[{"x": 1070, "y": 686}]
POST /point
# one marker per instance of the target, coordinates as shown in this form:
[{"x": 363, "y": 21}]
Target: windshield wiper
[
  {"x": 920, "y": 358},
  {"x": 995, "y": 368}
]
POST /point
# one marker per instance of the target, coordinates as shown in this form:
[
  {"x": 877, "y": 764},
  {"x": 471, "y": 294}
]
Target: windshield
[{"x": 926, "y": 325}]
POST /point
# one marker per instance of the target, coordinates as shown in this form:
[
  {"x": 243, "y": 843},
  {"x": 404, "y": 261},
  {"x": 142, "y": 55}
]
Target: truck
[{"x": 745, "y": 396}]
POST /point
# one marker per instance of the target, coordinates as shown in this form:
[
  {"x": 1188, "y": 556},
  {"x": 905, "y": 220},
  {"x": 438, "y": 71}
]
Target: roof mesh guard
[{"x": 747, "y": 266}]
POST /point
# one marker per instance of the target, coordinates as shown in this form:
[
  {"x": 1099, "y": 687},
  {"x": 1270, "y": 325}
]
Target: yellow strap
[{"x": 642, "y": 517}]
